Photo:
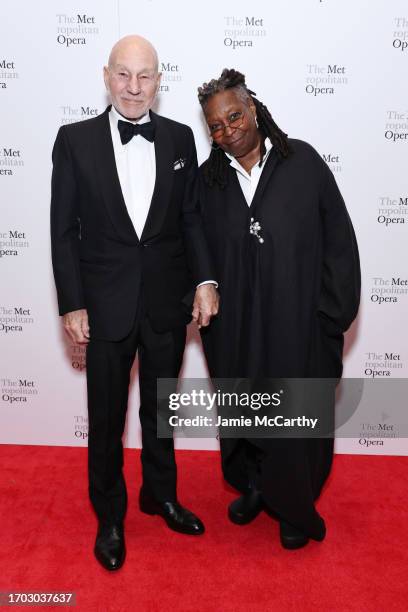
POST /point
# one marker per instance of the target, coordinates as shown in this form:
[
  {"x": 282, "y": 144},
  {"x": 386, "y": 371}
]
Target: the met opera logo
[
  {"x": 12, "y": 242},
  {"x": 7, "y": 72},
  {"x": 80, "y": 427},
  {"x": 72, "y": 114},
  {"x": 14, "y": 319},
  {"x": 382, "y": 365},
  {"x": 171, "y": 74},
  {"x": 325, "y": 80},
  {"x": 388, "y": 290},
  {"x": 10, "y": 159},
  {"x": 333, "y": 161},
  {"x": 400, "y": 35},
  {"x": 15, "y": 391},
  {"x": 74, "y": 30},
  {"x": 396, "y": 126},
  {"x": 243, "y": 31},
  {"x": 392, "y": 211},
  {"x": 78, "y": 357}
]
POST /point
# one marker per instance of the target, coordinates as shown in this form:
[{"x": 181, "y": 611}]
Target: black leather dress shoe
[
  {"x": 177, "y": 518},
  {"x": 246, "y": 508},
  {"x": 110, "y": 546},
  {"x": 290, "y": 537}
]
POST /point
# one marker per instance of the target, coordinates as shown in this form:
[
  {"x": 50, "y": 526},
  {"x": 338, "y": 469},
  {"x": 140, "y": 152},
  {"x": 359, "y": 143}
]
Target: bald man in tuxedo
[{"x": 131, "y": 268}]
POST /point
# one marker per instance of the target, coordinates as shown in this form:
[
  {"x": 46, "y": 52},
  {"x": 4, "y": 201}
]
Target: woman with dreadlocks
[{"x": 288, "y": 270}]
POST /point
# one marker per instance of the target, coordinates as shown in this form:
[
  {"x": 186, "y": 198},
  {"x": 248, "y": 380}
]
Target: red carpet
[{"x": 48, "y": 531}]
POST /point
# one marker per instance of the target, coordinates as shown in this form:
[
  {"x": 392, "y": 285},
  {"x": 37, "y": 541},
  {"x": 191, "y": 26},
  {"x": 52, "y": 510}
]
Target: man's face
[{"x": 132, "y": 80}]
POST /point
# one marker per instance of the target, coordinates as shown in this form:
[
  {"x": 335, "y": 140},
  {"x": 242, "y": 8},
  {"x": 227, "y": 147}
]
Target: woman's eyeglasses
[{"x": 235, "y": 120}]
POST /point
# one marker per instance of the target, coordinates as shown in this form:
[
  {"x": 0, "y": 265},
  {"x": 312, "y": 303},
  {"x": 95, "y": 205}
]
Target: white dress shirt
[
  {"x": 249, "y": 182},
  {"x": 136, "y": 165}
]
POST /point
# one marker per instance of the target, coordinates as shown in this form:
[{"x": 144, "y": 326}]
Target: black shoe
[
  {"x": 320, "y": 532},
  {"x": 246, "y": 508},
  {"x": 110, "y": 546},
  {"x": 177, "y": 518},
  {"x": 290, "y": 537}
]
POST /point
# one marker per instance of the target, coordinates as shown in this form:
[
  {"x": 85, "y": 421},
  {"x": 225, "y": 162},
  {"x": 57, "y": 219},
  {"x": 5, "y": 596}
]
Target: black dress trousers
[{"x": 108, "y": 374}]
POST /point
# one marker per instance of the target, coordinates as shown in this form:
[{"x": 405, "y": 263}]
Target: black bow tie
[{"x": 128, "y": 130}]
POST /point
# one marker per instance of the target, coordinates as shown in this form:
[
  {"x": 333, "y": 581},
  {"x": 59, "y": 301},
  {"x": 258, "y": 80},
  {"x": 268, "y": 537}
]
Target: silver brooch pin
[
  {"x": 255, "y": 228},
  {"x": 179, "y": 163}
]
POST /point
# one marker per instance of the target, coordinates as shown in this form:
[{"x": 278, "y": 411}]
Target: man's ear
[
  {"x": 158, "y": 82},
  {"x": 106, "y": 76}
]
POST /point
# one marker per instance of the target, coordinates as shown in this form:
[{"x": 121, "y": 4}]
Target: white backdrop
[{"x": 332, "y": 72}]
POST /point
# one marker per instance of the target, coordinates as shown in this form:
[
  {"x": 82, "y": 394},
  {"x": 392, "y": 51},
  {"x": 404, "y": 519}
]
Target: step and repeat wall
[{"x": 332, "y": 72}]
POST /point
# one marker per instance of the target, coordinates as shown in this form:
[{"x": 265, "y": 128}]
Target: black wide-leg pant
[
  {"x": 289, "y": 472},
  {"x": 108, "y": 374}
]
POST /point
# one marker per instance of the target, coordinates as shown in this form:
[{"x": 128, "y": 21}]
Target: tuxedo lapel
[
  {"x": 164, "y": 151},
  {"x": 109, "y": 180}
]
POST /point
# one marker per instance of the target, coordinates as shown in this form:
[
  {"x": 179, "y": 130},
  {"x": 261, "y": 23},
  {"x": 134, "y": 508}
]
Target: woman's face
[{"x": 232, "y": 123}]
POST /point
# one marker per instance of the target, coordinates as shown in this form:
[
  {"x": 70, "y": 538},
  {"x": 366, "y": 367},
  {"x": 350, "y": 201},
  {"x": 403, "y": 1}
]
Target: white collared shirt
[
  {"x": 249, "y": 182},
  {"x": 136, "y": 165}
]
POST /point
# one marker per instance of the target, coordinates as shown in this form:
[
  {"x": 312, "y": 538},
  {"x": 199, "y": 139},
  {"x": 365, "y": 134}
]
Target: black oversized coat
[{"x": 285, "y": 303}]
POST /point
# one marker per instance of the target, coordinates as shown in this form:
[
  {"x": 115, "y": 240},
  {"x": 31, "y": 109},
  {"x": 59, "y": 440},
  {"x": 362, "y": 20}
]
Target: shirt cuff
[{"x": 212, "y": 282}]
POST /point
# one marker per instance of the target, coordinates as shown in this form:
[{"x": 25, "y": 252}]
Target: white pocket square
[{"x": 179, "y": 163}]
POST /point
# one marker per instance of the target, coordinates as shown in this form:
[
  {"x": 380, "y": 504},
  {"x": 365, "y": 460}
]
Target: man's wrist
[{"x": 208, "y": 282}]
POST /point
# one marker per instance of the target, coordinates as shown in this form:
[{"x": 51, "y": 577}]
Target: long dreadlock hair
[{"x": 215, "y": 169}]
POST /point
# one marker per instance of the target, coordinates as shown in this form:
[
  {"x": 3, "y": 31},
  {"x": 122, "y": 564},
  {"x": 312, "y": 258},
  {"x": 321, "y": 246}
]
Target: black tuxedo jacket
[{"x": 98, "y": 260}]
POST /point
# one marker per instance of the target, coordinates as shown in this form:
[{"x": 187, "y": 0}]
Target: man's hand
[
  {"x": 76, "y": 326},
  {"x": 206, "y": 302}
]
